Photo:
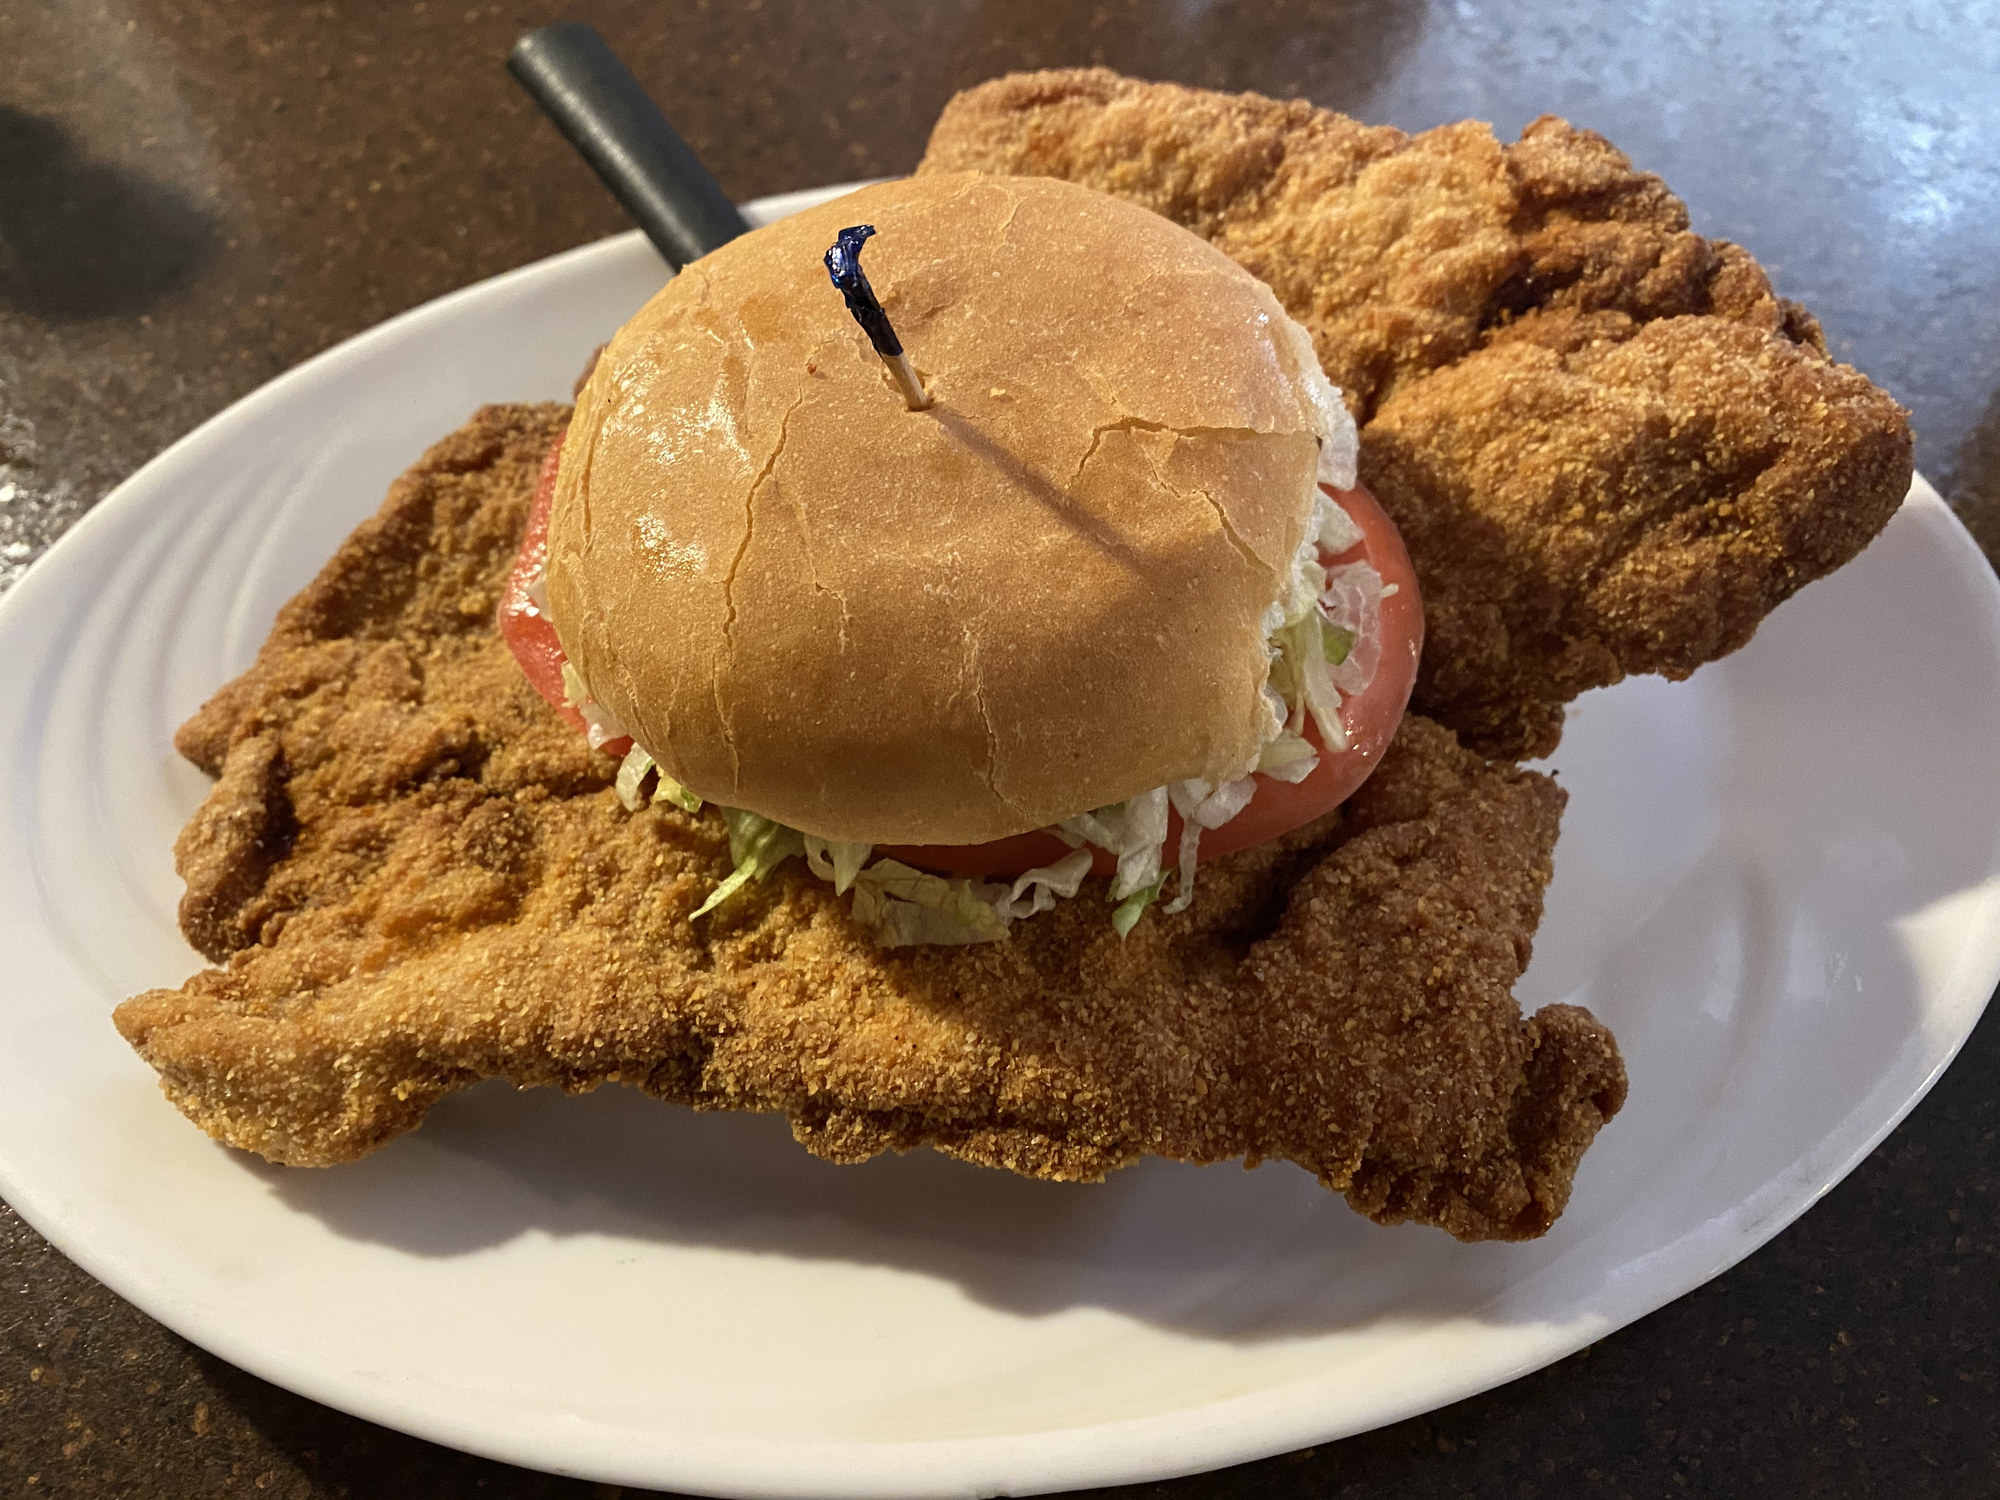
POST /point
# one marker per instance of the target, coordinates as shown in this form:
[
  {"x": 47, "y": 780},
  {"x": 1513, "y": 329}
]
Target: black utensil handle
[{"x": 618, "y": 129}]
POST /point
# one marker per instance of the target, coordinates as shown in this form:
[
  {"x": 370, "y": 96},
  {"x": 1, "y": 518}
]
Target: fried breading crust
[
  {"x": 1611, "y": 448},
  {"x": 415, "y": 876}
]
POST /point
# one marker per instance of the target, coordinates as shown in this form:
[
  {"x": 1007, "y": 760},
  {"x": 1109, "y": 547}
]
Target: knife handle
[{"x": 597, "y": 103}]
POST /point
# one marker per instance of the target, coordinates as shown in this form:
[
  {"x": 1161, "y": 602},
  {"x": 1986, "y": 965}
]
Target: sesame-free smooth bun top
[{"x": 1042, "y": 595}]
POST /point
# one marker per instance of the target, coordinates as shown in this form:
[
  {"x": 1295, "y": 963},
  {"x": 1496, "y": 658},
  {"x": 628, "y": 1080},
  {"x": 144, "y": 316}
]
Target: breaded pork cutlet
[
  {"x": 415, "y": 876},
  {"x": 1610, "y": 447}
]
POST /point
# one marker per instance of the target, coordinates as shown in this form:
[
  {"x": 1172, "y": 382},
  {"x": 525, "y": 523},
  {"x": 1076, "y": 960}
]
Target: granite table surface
[{"x": 196, "y": 196}]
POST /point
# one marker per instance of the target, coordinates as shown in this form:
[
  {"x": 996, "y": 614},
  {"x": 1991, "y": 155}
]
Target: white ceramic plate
[{"x": 1779, "y": 883}]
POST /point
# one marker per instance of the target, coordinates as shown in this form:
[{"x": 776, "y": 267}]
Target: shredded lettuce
[
  {"x": 632, "y": 775},
  {"x": 1334, "y": 530},
  {"x": 1351, "y": 602},
  {"x": 1287, "y": 757},
  {"x": 1303, "y": 677},
  {"x": 902, "y": 906},
  {"x": 1040, "y": 888},
  {"x": 600, "y": 724},
  {"x": 1125, "y": 916},
  {"x": 666, "y": 789},
  {"x": 899, "y": 905},
  {"x": 758, "y": 846},
  {"x": 1201, "y": 807},
  {"x": 833, "y": 860},
  {"x": 631, "y": 784},
  {"x": 1325, "y": 629},
  {"x": 1134, "y": 830}
]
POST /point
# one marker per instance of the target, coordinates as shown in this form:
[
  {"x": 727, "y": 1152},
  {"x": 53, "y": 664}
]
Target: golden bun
[{"x": 1042, "y": 595}]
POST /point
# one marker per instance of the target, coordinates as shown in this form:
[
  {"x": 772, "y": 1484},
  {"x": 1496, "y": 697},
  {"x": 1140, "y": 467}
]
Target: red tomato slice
[
  {"x": 524, "y": 627},
  {"x": 1370, "y": 716}
]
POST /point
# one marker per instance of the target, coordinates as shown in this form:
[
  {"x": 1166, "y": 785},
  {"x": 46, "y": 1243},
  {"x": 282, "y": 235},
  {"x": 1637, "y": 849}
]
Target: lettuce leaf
[
  {"x": 669, "y": 790},
  {"x": 600, "y": 724},
  {"x": 1288, "y": 757},
  {"x": 1041, "y": 887},
  {"x": 631, "y": 784},
  {"x": 904, "y": 906},
  {"x": 758, "y": 846},
  {"x": 836, "y": 861},
  {"x": 632, "y": 773},
  {"x": 1125, "y": 916},
  {"x": 1134, "y": 830}
]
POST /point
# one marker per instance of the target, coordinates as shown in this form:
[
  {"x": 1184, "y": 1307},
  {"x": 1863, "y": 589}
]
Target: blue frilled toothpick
[{"x": 843, "y": 264}]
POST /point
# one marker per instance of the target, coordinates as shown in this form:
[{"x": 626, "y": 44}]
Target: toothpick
[{"x": 843, "y": 264}]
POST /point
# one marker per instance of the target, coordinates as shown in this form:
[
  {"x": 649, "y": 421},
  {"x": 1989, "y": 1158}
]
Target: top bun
[{"x": 1044, "y": 594}]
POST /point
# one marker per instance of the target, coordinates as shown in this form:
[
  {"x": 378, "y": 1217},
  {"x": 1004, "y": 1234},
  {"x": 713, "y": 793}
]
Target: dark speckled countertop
[{"x": 194, "y": 197}]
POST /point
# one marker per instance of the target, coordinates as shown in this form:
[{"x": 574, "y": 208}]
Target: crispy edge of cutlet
[{"x": 1574, "y": 516}]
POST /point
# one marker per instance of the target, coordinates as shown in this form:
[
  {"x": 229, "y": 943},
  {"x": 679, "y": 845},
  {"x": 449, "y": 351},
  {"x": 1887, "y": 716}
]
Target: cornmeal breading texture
[
  {"x": 414, "y": 876},
  {"x": 1610, "y": 447}
]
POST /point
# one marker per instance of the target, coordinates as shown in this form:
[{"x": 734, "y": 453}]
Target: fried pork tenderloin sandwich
[{"x": 1113, "y": 602}]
